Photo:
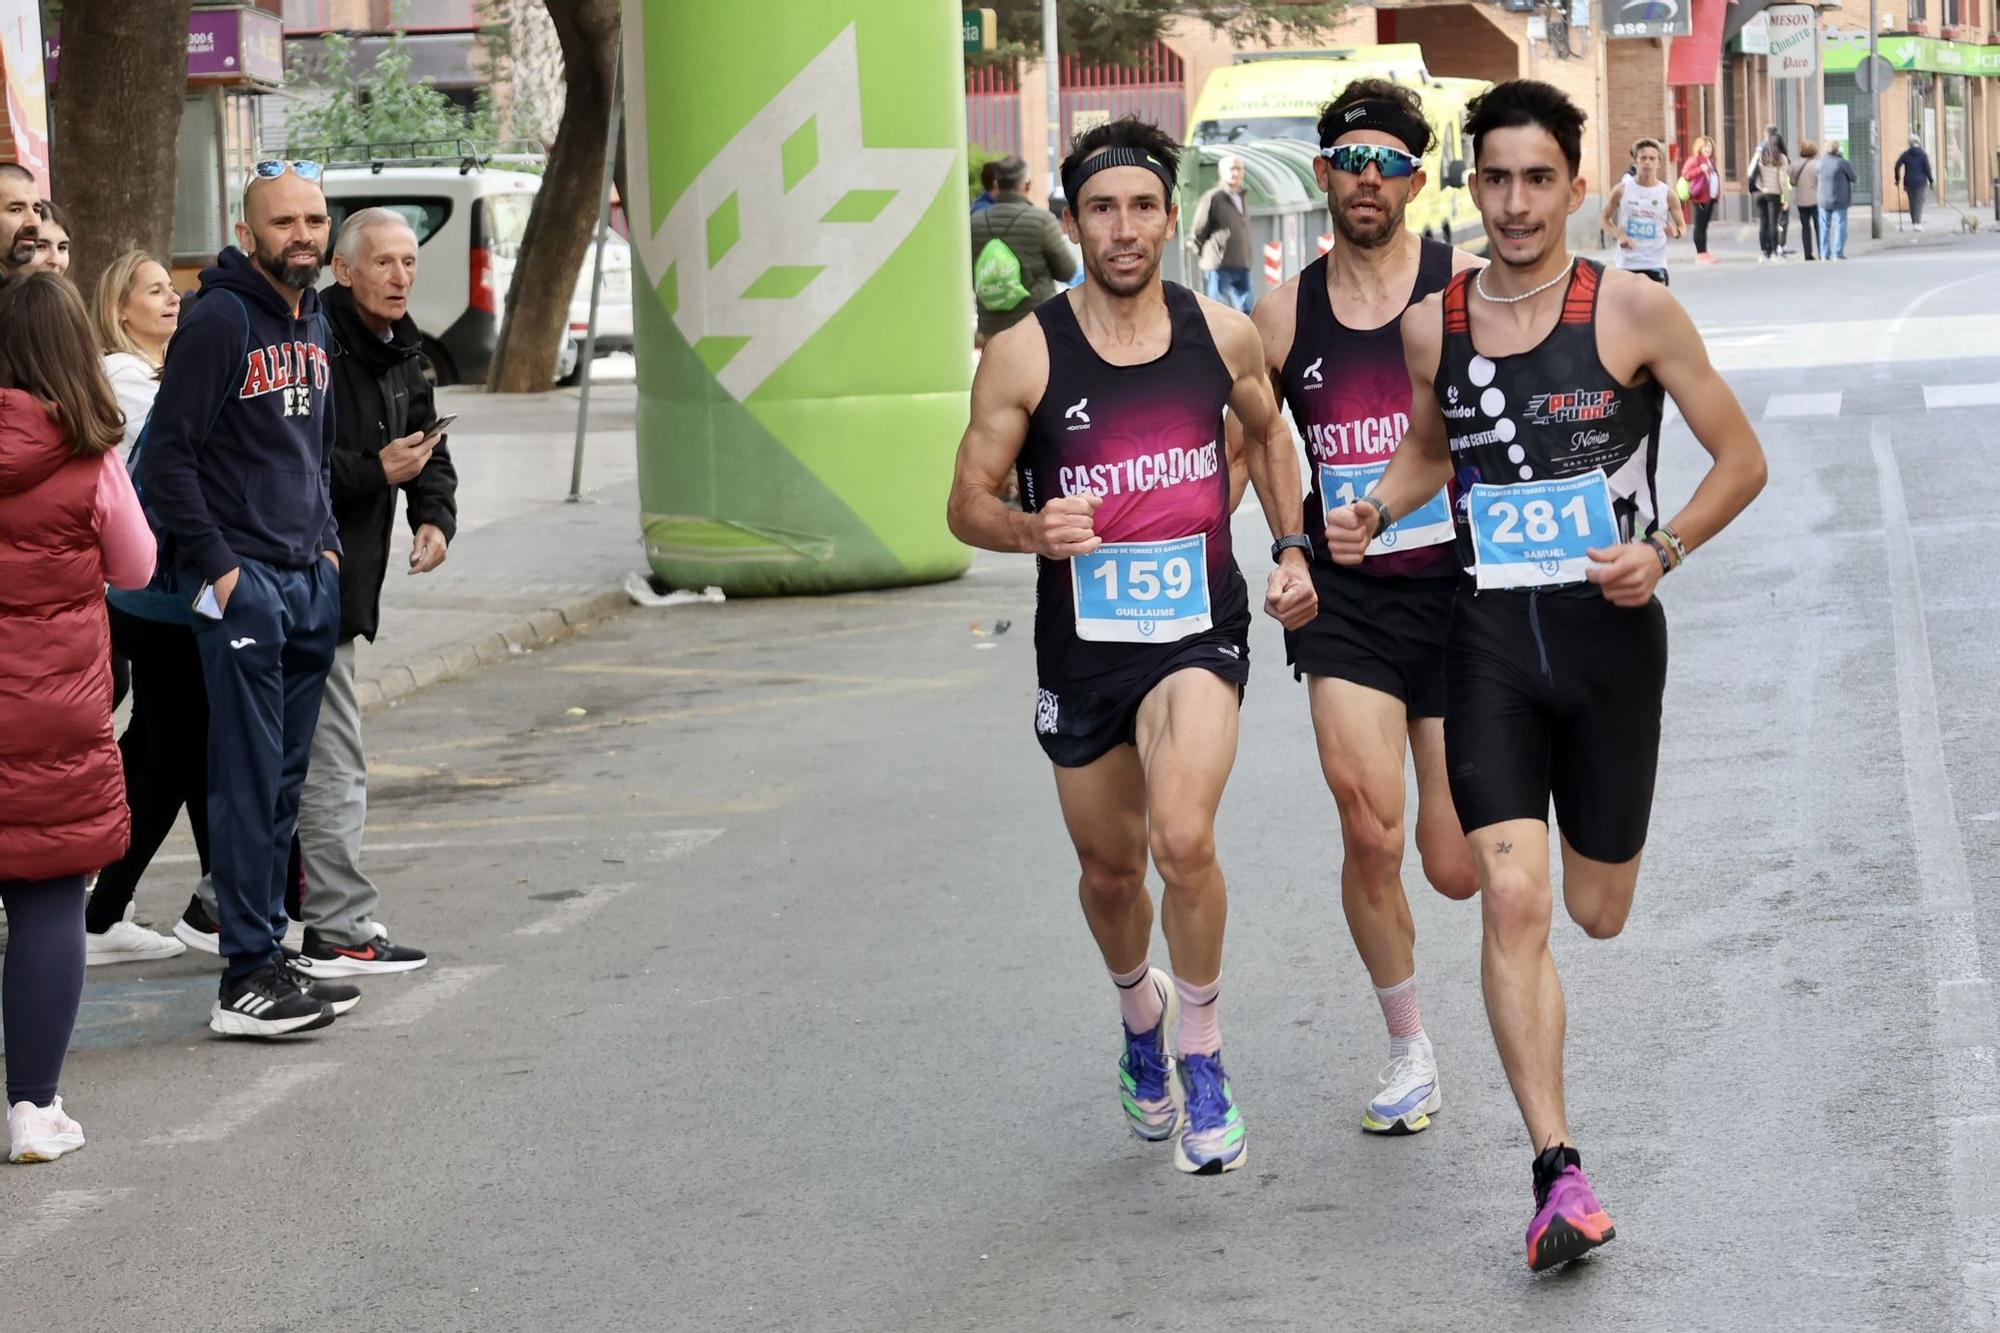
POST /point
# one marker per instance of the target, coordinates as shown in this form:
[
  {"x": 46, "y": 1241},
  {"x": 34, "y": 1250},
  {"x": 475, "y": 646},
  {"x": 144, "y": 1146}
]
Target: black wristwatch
[{"x": 1298, "y": 541}]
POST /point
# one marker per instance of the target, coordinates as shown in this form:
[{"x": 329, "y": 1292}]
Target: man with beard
[
  {"x": 20, "y": 220},
  {"x": 1108, "y": 403},
  {"x": 1373, "y": 658},
  {"x": 1556, "y": 661},
  {"x": 234, "y": 465}
]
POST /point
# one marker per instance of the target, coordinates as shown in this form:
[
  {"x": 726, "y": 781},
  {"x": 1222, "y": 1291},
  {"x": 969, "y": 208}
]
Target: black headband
[
  {"x": 1388, "y": 117},
  {"x": 1116, "y": 157}
]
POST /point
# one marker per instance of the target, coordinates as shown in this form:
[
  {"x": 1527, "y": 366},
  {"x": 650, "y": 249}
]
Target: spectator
[
  {"x": 165, "y": 744},
  {"x": 1767, "y": 187},
  {"x": 20, "y": 219},
  {"x": 987, "y": 172},
  {"x": 1222, "y": 237},
  {"x": 69, "y": 523},
  {"x": 1018, "y": 251},
  {"x": 383, "y": 415},
  {"x": 235, "y": 468},
  {"x": 52, "y": 238},
  {"x": 1805, "y": 195},
  {"x": 1914, "y": 174},
  {"x": 1704, "y": 187},
  {"x": 1836, "y": 196}
]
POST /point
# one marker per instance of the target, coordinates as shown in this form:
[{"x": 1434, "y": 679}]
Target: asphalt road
[{"x": 761, "y": 1000}]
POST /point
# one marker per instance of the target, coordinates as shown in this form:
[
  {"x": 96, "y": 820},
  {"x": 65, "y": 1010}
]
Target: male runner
[
  {"x": 1643, "y": 213},
  {"x": 1373, "y": 659},
  {"x": 1558, "y": 651},
  {"x": 1109, "y": 404}
]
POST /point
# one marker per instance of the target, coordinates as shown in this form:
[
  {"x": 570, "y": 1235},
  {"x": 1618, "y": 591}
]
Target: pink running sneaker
[{"x": 1569, "y": 1221}]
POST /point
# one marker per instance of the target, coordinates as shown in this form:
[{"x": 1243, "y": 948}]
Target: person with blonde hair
[{"x": 137, "y": 311}]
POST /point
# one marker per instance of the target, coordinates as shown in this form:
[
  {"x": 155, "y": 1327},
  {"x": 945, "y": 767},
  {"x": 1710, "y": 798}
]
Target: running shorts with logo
[
  {"x": 1554, "y": 692},
  {"x": 1163, "y": 593},
  {"x": 1383, "y": 625}
]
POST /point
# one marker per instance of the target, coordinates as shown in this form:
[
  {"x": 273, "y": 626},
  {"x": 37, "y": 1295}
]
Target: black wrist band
[
  {"x": 1297, "y": 541},
  {"x": 1382, "y": 519}
]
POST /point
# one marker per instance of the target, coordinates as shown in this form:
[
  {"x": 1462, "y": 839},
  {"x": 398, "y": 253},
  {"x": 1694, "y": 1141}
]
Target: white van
[{"x": 469, "y": 220}]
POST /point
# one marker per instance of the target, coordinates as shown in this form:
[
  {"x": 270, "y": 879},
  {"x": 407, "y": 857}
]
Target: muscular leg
[
  {"x": 1598, "y": 894},
  {"x": 1187, "y": 744},
  {"x": 1524, "y": 999},
  {"x": 1361, "y": 733},
  {"x": 1447, "y": 855},
  {"x": 1104, "y": 806}
]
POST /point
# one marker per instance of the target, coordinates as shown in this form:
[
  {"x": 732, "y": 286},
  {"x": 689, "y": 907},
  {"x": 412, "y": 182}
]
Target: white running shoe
[
  {"x": 1409, "y": 1095},
  {"x": 129, "y": 942},
  {"x": 1146, "y": 1070},
  {"x": 41, "y": 1134}
]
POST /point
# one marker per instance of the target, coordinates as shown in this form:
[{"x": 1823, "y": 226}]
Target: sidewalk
[
  {"x": 526, "y": 568},
  {"x": 1736, "y": 242}
]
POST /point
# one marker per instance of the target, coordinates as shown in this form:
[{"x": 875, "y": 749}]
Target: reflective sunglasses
[
  {"x": 272, "y": 168},
  {"x": 1355, "y": 158}
]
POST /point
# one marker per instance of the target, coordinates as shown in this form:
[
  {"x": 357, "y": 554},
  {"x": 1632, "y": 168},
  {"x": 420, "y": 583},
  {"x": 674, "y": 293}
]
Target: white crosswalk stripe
[
  {"x": 1803, "y": 405},
  {"x": 1960, "y": 395}
]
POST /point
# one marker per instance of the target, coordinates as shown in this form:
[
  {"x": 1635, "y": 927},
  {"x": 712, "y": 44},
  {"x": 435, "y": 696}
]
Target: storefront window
[
  {"x": 1841, "y": 92},
  {"x": 1954, "y": 135}
]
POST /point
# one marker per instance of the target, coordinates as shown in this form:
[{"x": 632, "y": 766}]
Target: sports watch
[{"x": 1298, "y": 541}]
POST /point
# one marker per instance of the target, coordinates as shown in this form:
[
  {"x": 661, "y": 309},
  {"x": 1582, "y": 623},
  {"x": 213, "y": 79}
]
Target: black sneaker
[
  {"x": 197, "y": 929},
  {"x": 267, "y": 1003},
  {"x": 341, "y": 997},
  {"x": 323, "y": 958}
]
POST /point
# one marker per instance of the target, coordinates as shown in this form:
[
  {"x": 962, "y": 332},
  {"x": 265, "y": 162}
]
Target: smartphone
[{"x": 439, "y": 427}]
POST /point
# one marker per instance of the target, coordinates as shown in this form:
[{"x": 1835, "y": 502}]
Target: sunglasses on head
[
  {"x": 1355, "y": 158},
  {"x": 273, "y": 168}
]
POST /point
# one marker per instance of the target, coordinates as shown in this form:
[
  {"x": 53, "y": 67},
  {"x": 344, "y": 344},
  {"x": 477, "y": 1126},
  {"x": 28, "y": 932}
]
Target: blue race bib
[
  {"x": 1142, "y": 592},
  {"x": 1536, "y": 534},
  {"x": 1642, "y": 229},
  {"x": 1428, "y": 525}
]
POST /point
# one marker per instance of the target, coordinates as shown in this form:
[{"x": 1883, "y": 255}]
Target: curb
[{"x": 538, "y": 629}]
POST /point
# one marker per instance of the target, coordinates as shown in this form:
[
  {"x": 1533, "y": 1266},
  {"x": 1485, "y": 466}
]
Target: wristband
[
  {"x": 1297, "y": 541},
  {"x": 1666, "y": 556},
  {"x": 1382, "y": 519},
  {"x": 1673, "y": 539}
]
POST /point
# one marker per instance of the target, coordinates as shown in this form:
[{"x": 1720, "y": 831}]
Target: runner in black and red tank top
[
  {"x": 1109, "y": 405},
  {"x": 1373, "y": 658},
  {"x": 1537, "y": 386}
]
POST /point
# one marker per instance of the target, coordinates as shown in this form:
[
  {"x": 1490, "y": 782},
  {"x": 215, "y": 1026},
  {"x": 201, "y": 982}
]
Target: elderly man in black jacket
[{"x": 385, "y": 442}]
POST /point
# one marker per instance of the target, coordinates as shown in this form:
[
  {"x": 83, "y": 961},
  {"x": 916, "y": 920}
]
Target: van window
[
  {"x": 1242, "y": 129},
  {"x": 426, "y": 216},
  {"x": 506, "y": 222}
]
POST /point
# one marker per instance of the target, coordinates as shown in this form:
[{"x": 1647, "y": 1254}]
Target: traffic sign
[
  {"x": 1874, "y": 75},
  {"x": 977, "y": 25}
]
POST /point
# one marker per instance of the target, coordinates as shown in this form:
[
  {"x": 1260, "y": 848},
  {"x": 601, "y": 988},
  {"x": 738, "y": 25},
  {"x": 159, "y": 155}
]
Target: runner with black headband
[
  {"x": 1373, "y": 658},
  {"x": 1108, "y": 404},
  {"x": 1557, "y": 658}
]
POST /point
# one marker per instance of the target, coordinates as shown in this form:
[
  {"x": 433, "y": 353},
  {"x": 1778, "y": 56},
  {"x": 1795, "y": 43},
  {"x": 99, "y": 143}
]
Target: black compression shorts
[
  {"x": 1556, "y": 695},
  {"x": 1078, "y": 725},
  {"x": 1385, "y": 633}
]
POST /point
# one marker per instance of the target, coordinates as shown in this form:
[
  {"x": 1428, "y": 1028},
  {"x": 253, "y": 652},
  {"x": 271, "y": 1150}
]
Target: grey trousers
[
  {"x": 340, "y": 899},
  {"x": 1916, "y": 195}
]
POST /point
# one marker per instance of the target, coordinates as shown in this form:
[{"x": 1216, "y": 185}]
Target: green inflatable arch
[{"x": 798, "y": 218}]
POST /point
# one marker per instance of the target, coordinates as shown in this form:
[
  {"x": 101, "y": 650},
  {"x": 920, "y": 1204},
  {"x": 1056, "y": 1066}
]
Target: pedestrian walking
[
  {"x": 165, "y": 745},
  {"x": 1836, "y": 196},
  {"x": 69, "y": 524},
  {"x": 1222, "y": 237},
  {"x": 1642, "y": 214},
  {"x": 1703, "y": 186},
  {"x": 1805, "y": 194},
  {"x": 1767, "y": 189},
  {"x": 1914, "y": 175},
  {"x": 235, "y": 469},
  {"x": 1019, "y": 256},
  {"x": 52, "y": 238}
]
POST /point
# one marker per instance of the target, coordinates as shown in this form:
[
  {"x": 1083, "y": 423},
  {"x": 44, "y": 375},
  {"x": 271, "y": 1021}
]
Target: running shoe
[
  {"x": 1211, "y": 1142},
  {"x": 1569, "y": 1220},
  {"x": 1409, "y": 1095},
  {"x": 338, "y": 994},
  {"x": 321, "y": 957},
  {"x": 41, "y": 1133},
  {"x": 269, "y": 1002},
  {"x": 1146, "y": 1070},
  {"x": 197, "y": 929},
  {"x": 126, "y": 941}
]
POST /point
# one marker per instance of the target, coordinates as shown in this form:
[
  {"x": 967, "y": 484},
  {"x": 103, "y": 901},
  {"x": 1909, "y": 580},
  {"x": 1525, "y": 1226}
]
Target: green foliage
[
  {"x": 1116, "y": 31},
  {"x": 384, "y": 105}
]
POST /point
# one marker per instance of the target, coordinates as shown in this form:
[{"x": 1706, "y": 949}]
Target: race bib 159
[{"x": 1142, "y": 592}]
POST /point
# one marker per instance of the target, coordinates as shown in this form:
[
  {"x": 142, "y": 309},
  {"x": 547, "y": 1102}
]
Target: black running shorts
[
  {"x": 1556, "y": 695},
  {"x": 1385, "y": 633},
  {"x": 1079, "y": 725}
]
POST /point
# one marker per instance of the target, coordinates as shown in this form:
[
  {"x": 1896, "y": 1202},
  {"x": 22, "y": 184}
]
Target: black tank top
[
  {"x": 1148, "y": 438},
  {"x": 1349, "y": 391},
  {"x": 1553, "y": 411}
]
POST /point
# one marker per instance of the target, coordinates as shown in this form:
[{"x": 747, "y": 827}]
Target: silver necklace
[{"x": 1479, "y": 281}]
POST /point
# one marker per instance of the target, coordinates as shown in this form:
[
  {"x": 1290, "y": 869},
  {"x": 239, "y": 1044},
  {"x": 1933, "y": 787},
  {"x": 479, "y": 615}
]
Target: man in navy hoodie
[{"x": 234, "y": 469}]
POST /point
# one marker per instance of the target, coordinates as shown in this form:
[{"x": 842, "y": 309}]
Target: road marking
[
  {"x": 431, "y": 988},
  {"x": 30, "y": 1237},
  {"x": 1963, "y": 1032},
  {"x": 589, "y": 901},
  {"x": 1960, "y": 395},
  {"x": 232, "y": 1113},
  {"x": 1803, "y": 405}
]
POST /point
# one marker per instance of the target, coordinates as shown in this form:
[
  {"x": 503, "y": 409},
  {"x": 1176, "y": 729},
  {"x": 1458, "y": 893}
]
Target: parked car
[{"x": 469, "y": 220}]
